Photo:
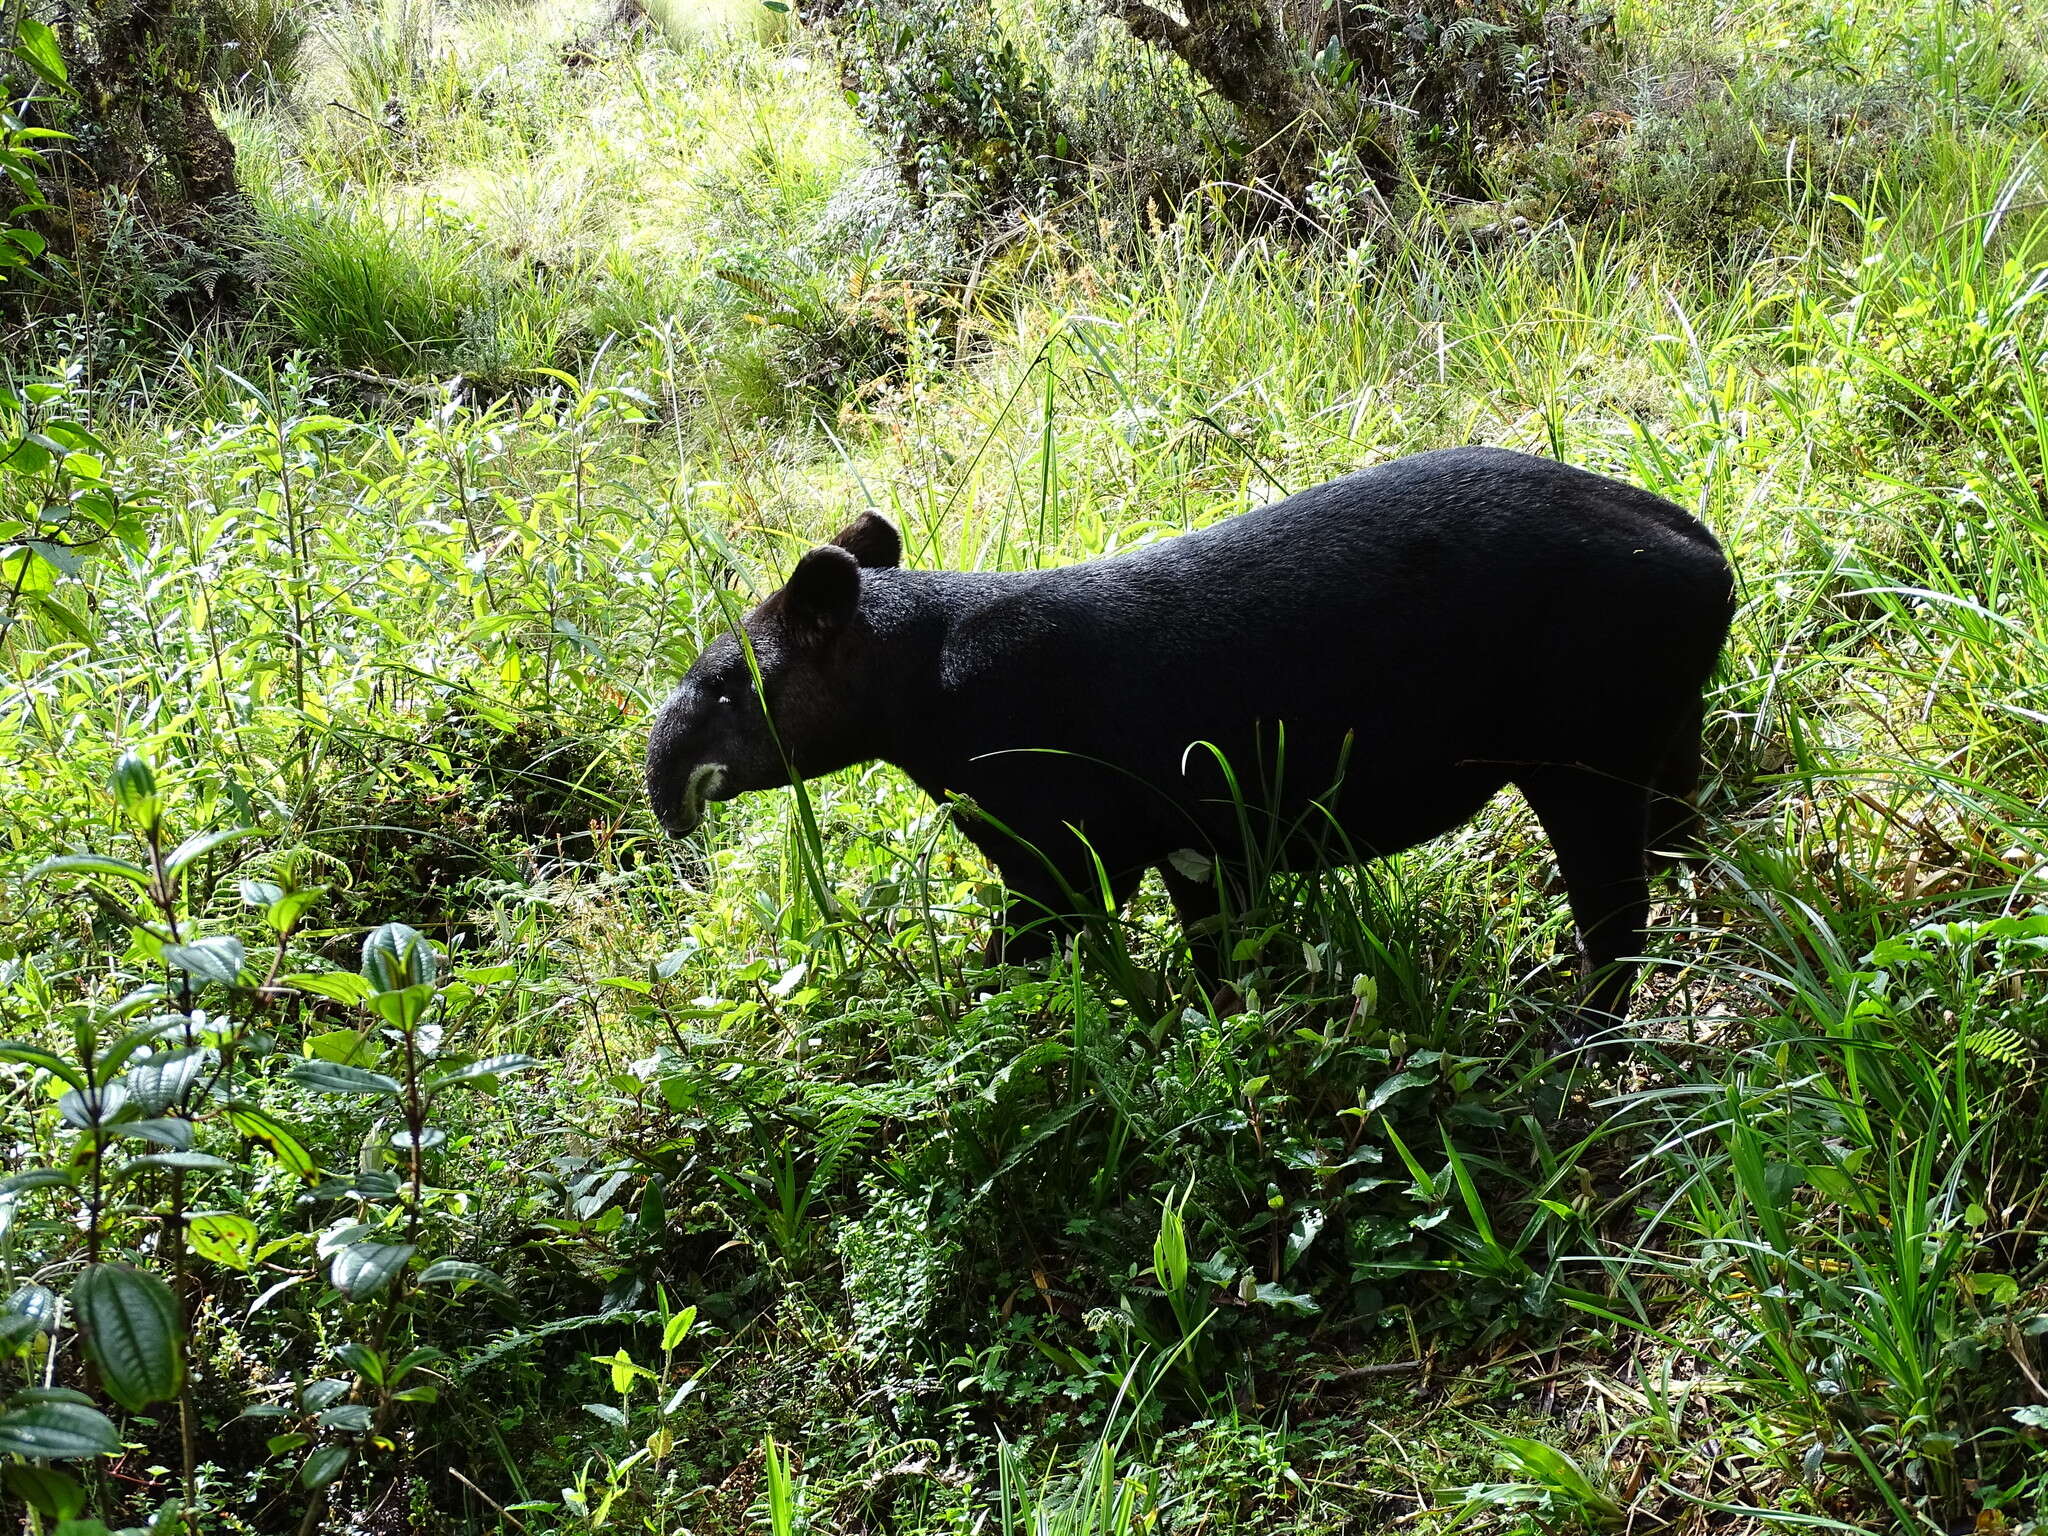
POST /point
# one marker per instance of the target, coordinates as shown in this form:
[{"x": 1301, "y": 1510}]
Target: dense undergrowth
[{"x": 505, "y": 1167}]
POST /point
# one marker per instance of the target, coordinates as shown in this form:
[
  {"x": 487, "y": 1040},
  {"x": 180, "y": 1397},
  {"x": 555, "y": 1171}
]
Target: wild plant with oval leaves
[{"x": 164, "y": 1115}]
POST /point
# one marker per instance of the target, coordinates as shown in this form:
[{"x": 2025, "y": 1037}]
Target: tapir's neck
[{"x": 911, "y": 616}]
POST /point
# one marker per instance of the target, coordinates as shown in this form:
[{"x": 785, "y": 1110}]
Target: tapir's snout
[
  {"x": 682, "y": 777},
  {"x": 684, "y": 813}
]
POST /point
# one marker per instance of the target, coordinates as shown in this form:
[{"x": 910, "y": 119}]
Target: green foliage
[
  {"x": 395, "y": 1114},
  {"x": 964, "y": 114}
]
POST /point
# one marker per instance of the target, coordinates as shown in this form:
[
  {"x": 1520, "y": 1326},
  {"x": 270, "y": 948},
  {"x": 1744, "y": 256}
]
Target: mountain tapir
[{"x": 1331, "y": 677}]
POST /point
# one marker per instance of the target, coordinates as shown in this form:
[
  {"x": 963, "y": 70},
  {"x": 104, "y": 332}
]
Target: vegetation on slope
[{"x": 503, "y": 1167}]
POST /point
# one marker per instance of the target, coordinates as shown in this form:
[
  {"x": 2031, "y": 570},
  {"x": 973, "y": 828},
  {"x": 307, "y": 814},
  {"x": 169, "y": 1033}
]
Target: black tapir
[{"x": 1335, "y": 676}]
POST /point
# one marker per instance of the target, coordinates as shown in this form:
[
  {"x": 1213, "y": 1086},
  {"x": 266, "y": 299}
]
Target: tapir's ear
[
  {"x": 872, "y": 540},
  {"x": 822, "y": 591}
]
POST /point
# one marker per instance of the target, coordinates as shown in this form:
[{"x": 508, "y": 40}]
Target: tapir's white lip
[{"x": 704, "y": 783}]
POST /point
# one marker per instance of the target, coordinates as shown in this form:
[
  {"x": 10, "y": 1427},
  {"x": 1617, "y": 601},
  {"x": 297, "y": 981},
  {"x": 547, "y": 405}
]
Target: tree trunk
[
  {"x": 140, "y": 76},
  {"x": 1244, "y": 51}
]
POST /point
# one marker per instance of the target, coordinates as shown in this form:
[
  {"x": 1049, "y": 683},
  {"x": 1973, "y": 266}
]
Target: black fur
[{"x": 1374, "y": 659}]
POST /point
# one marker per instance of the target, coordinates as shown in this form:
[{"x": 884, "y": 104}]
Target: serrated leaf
[
  {"x": 607, "y": 1412},
  {"x": 361, "y": 1270},
  {"x": 132, "y": 1332},
  {"x": 216, "y": 959},
  {"x": 57, "y": 1432},
  {"x": 397, "y": 957},
  {"x": 336, "y": 1077},
  {"x": 489, "y": 1067},
  {"x": 158, "y": 1081},
  {"x": 86, "y": 1109}
]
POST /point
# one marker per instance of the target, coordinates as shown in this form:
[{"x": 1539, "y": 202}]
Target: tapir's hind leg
[
  {"x": 1674, "y": 818},
  {"x": 1199, "y": 906},
  {"x": 1597, "y": 825}
]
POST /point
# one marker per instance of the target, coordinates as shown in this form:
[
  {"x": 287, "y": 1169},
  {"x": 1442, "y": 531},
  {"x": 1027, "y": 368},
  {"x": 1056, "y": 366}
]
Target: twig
[
  {"x": 1352, "y": 1373},
  {"x": 503, "y": 1512},
  {"x": 397, "y": 386},
  {"x": 395, "y": 132}
]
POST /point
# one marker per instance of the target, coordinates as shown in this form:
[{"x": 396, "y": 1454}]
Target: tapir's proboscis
[{"x": 1330, "y": 678}]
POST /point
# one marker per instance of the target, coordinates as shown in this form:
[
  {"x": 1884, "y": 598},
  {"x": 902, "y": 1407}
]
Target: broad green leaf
[
  {"x": 57, "y": 1432},
  {"x": 224, "y": 1238},
  {"x": 216, "y": 959},
  {"x": 404, "y": 1008},
  {"x": 117, "y": 1055},
  {"x": 35, "y": 1302},
  {"x": 459, "y": 1272},
  {"x": 323, "y": 1466},
  {"x": 324, "y": 1393},
  {"x": 678, "y": 1328},
  {"x": 260, "y": 1125},
  {"x": 491, "y": 1067},
  {"x": 90, "y": 864},
  {"x": 337, "y": 986},
  {"x": 349, "y": 1418},
  {"x": 350, "y": 1047},
  {"x": 335, "y": 1077},
  {"x": 172, "y": 1132},
  {"x": 132, "y": 1332},
  {"x": 36, "y": 1056},
  {"x": 135, "y": 791},
  {"x": 284, "y": 913},
  {"x": 363, "y": 1360},
  {"x": 47, "y": 1491},
  {"x": 200, "y": 844},
  {"x": 191, "y": 1162},
  {"x": 361, "y": 1270},
  {"x": 36, "y": 46},
  {"x": 36, "y": 1178}
]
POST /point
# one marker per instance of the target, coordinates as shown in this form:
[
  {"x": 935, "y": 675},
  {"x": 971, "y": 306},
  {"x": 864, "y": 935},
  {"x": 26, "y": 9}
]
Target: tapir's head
[{"x": 803, "y": 700}]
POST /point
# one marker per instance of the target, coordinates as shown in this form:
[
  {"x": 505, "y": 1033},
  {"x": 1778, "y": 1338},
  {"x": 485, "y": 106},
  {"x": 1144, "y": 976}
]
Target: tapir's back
[{"x": 1474, "y": 595}]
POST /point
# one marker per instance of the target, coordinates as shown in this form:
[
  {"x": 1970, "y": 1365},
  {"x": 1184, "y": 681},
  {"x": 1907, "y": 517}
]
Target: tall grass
[{"x": 1779, "y": 1267}]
